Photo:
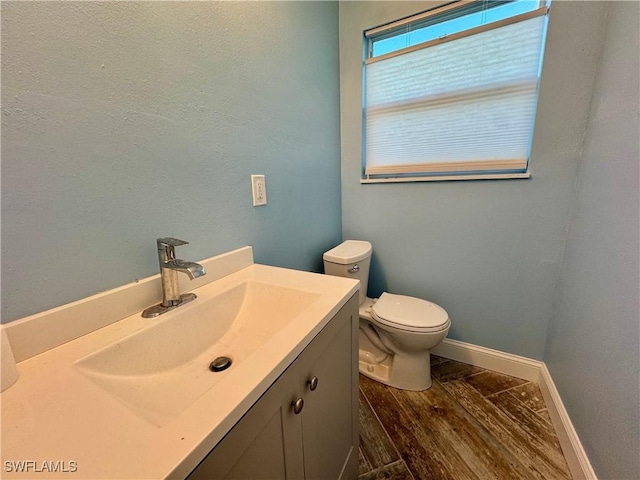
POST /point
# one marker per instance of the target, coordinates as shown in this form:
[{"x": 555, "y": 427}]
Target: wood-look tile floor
[{"x": 471, "y": 424}]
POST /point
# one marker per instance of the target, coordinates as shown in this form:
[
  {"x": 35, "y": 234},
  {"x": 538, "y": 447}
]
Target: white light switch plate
[{"x": 259, "y": 190}]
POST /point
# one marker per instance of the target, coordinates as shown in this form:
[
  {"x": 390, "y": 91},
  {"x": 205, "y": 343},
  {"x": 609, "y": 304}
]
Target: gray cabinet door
[
  {"x": 265, "y": 444},
  {"x": 329, "y": 424}
]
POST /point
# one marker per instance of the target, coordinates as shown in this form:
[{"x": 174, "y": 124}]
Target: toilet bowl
[{"x": 397, "y": 332}]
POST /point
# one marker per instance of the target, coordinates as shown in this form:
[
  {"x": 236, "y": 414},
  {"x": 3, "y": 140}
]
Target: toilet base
[
  {"x": 404, "y": 372},
  {"x": 384, "y": 372}
]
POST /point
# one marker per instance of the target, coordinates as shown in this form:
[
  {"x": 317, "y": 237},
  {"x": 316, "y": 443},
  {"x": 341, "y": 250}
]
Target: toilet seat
[{"x": 409, "y": 314}]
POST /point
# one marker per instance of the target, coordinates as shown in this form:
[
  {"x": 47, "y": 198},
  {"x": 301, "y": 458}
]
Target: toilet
[{"x": 397, "y": 332}]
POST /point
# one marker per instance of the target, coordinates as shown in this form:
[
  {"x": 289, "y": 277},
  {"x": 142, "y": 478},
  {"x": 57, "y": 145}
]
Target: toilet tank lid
[{"x": 349, "y": 251}]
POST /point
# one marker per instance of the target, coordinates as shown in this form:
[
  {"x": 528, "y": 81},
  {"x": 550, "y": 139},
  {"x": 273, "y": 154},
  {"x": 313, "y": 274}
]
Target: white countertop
[{"x": 56, "y": 418}]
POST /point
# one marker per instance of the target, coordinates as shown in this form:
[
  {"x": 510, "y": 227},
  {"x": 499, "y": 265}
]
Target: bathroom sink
[{"x": 161, "y": 370}]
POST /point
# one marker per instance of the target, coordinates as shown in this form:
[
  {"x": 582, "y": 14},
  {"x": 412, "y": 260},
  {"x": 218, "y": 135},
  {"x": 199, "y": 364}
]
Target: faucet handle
[
  {"x": 170, "y": 242},
  {"x": 166, "y": 249}
]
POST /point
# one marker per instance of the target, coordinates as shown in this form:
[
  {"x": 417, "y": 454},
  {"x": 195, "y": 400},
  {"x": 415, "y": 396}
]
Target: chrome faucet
[{"x": 169, "y": 268}]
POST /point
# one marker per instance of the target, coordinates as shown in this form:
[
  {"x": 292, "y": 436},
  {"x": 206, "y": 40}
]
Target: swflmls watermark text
[{"x": 35, "y": 466}]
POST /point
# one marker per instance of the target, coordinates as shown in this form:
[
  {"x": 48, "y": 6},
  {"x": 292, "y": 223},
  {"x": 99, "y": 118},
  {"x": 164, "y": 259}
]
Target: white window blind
[{"x": 459, "y": 106}]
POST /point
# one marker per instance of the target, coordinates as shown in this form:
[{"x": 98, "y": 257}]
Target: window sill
[{"x": 448, "y": 178}]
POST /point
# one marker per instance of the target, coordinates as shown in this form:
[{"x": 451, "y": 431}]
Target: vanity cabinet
[{"x": 305, "y": 426}]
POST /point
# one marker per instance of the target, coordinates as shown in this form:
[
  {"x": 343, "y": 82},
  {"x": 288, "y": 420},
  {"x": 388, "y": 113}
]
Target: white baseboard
[
  {"x": 534, "y": 371},
  {"x": 574, "y": 453},
  {"x": 507, "y": 363}
]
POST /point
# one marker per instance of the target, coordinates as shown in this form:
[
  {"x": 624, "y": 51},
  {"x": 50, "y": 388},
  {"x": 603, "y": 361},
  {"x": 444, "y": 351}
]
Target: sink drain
[{"x": 220, "y": 364}]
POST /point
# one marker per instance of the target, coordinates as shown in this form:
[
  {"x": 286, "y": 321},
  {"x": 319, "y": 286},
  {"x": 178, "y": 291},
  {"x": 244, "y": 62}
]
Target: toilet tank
[{"x": 350, "y": 259}]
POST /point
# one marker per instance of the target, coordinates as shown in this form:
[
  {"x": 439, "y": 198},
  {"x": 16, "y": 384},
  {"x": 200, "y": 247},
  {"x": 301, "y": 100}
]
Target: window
[{"x": 451, "y": 93}]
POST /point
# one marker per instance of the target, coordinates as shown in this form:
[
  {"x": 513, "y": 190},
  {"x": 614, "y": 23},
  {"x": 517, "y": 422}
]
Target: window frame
[{"x": 439, "y": 173}]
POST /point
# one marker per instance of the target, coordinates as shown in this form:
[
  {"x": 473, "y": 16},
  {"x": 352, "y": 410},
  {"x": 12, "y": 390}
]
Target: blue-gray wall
[
  {"x": 594, "y": 339},
  {"x": 124, "y": 121},
  {"x": 489, "y": 252}
]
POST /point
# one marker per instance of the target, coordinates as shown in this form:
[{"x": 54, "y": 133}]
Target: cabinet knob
[
  {"x": 297, "y": 406},
  {"x": 313, "y": 383}
]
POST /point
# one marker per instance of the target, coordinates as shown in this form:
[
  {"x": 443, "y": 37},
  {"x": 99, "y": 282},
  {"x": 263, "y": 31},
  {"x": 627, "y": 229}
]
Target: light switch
[{"x": 259, "y": 190}]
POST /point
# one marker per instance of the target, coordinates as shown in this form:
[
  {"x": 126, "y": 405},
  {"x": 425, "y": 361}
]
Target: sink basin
[{"x": 161, "y": 370}]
